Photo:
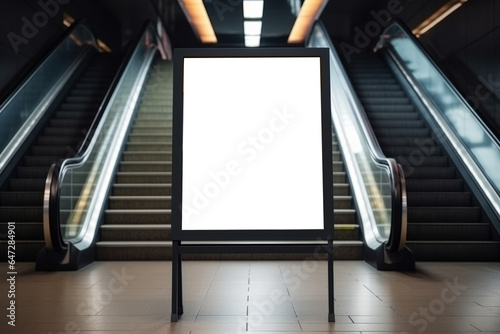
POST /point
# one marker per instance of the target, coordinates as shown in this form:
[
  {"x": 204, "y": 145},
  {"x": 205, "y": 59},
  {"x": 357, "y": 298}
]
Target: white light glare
[
  {"x": 253, "y": 9},
  {"x": 252, "y": 27},
  {"x": 252, "y": 41}
]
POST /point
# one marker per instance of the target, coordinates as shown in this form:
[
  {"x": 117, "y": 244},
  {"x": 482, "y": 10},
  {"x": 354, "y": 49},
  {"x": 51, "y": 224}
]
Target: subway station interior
[{"x": 89, "y": 169}]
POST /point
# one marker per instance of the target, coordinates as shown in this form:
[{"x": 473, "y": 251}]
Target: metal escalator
[
  {"x": 77, "y": 188},
  {"x": 58, "y": 134},
  {"x": 21, "y": 198},
  {"x": 136, "y": 225},
  {"x": 445, "y": 221},
  {"x": 376, "y": 181}
]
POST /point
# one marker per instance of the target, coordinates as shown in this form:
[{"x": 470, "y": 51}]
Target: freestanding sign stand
[{"x": 252, "y": 155}]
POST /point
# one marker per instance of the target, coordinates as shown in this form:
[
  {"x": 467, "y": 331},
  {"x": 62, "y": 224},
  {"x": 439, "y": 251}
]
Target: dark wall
[
  {"x": 466, "y": 45},
  {"x": 30, "y": 28},
  {"x": 26, "y": 31}
]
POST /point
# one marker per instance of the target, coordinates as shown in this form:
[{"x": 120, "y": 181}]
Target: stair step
[
  {"x": 144, "y": 177},
  {"x": 142, "y": 202},
  {"x": 149, "y": 147},
  {"x": 147, "y": 156},
  {"x": 134, "y": 216},
  {"x": 145, "y": 166},
  {"x": 138, "y": 189}
]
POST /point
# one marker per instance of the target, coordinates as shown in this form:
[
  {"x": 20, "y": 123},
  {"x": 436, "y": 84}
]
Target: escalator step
[
  {"x": 141, "y": 177},
  {"x": 24, "y": 172},
  {"x": 25, "y": 230},
  {"x": 147, "y": 156},
  {"x": 417, "y": 185},
  {"x": 385, "y": 100},
  {"x": 448, "y": 199},
  {"x": 397, "y": 108},
  {"x": 455, "y": 250},
  {"x": 393, "y": 116},
  {"x": 57, "y": 140},
  {"x": 79, "y": 106},
  {"x": 407, "y": 151},
  {"x": 378, "y": 88},
  {"x": 139, "y": 203},
  {"x": 41, "y": 161},
  {"x": 149, "y": 138},
  {"x": 400, "y": 124},
  {"x": 140, "y": 189},
  {"x": 448, "y": 231},
  {"x": 67, "y": 132},
  {"x": 429, "y": 173},
  {"x": 70, "y": 123},
  {"x": 380, "y": 94},
  {"x": 444, "y": 214},
  {"x": 21, "y": 213},
  {"x": 27, "y": 184},
  {"x": 52, "y": 150},
  {"x": 149, "y": 147},
  {"x": 375, "y": 81},
  {"x": 145, "y": 166},
  {"x": 30, "y": 198},
  {"x": 402, "y": 132},
  {"x": 137, "y": 216},
  {"x": 419, "y": 159}
]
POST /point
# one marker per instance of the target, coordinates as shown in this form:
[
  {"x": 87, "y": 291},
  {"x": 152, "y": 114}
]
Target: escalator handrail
[
  {"x": 486, "y": 188},
  {"x": 21, "y": 82},
  {"x": 52, "y": 225},
  {"x": 401, "y": 25},
  {"x": 397, "y": 237}
]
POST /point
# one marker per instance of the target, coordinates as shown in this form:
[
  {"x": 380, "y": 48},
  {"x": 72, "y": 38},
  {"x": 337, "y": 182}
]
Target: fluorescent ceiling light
[
  {"x": 68, "y": 20},
  {"x": 309, "y": 12},
  {"x": 252, "y": 41},
  {"x": 252, "y": 27},
  {"x": 437, "y": 17},
  {"x": 103, "y": 47},
  {"x": 253, "y": 9},
  {"x": 197, "y": 16}
]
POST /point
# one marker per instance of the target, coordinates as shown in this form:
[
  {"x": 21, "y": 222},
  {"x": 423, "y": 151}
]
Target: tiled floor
[{"x": 261, "y": 297}]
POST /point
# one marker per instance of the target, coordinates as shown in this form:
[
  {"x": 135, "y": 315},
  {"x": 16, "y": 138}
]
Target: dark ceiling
[{"x": 339, "y": 16}]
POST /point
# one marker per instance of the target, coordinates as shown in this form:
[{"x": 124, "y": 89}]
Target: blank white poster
[{"x": 252, "y": 144}]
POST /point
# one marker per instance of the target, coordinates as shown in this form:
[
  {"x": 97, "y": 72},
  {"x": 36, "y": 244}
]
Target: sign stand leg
[
  {"x": 177, "y": 308},
  {"x": 331, "y": 311}
]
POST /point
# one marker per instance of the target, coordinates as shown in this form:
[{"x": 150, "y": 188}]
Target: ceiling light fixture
[
  {"x": 68, "y": 20},
  {"x": 437, "y": 17},
  {"x": 252, "y": 27},
  {"x": 253, "y": 9},
  {"x": 252, "y": 41},
  {"x": 197, "y": 16},
  {"x": 309, "y": 12}
]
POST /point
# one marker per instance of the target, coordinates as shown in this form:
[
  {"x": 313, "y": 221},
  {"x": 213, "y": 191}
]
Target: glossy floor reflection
[{"x": 256, "y": 296}]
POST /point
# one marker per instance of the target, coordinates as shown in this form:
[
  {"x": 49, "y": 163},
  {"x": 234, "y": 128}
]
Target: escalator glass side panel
[
  {"x": 84, "y": 184},
  {"x": 473, "y": 141},
  {"x": 22, "y": 110},
  {"x": 370, "y": 179}
]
